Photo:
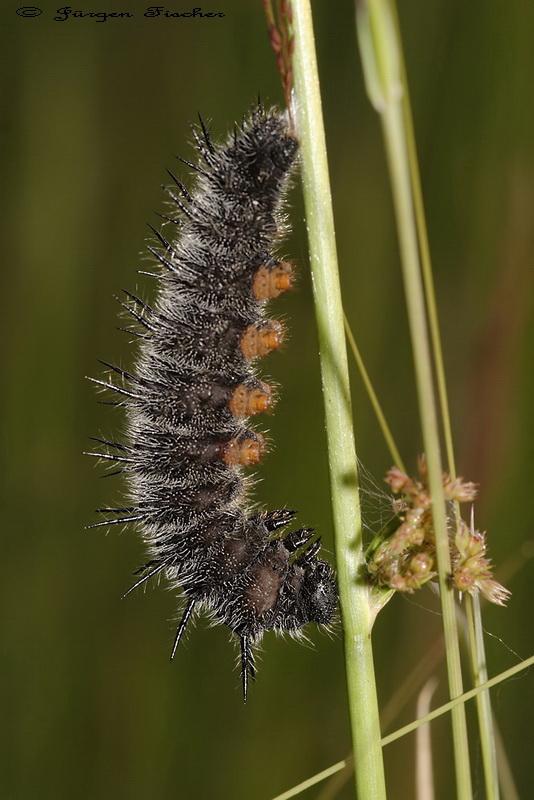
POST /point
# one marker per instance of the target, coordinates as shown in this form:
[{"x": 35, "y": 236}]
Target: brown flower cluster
[{"x": 406, "y": 559}]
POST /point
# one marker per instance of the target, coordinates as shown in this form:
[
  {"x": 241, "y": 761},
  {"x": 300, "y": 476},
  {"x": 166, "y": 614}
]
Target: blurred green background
[{"x": 93, "y": 112}]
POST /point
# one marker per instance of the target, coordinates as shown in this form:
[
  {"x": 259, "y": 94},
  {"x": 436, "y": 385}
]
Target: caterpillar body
[{"x": 193, "y": 389}]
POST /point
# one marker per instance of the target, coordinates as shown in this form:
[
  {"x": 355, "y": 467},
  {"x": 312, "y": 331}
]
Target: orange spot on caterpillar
[
  {"x": 246, "y": 401},
  {"x": 258, "y": 341},
  {"x": 269, "y": 283},
  {"x": 243, "y": 452}
]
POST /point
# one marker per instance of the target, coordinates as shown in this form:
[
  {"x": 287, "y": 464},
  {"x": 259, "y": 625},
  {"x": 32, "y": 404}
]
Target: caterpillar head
[
  {"x": 318, "y": 595},
  {"x": 309, "y": 593}
]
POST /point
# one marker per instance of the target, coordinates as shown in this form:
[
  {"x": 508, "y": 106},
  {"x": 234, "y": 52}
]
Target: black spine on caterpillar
[{"x": 194, "y": 387}]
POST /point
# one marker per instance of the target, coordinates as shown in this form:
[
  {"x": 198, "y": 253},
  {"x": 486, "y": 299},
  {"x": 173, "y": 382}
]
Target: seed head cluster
[{"x": 404, "y": 559}]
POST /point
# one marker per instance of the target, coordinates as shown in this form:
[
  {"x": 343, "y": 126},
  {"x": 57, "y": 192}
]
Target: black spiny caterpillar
[{"x": 193, "y": 388}]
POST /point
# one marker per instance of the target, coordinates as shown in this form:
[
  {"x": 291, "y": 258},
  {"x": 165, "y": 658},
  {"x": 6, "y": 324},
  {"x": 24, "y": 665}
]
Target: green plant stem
[
  {"x": 426, "y": 263},
  {"x": 506, "y": 777},
  {"x": 459, "y": 701},
  {"x": 412, "y": 726},
  {"x": 475, "y": 629},
  {"x": 483, "y": 701},
  {"x": 307, "y": 784},
  {"x": 380, "y": 49},
  {"x": 354, "y": 594}
]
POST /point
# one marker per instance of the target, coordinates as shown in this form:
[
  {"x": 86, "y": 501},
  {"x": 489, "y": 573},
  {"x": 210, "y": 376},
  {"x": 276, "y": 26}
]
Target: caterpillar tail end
[
  {"x": 248, "y": 668},
  {"x": 182, "y": 626}
]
